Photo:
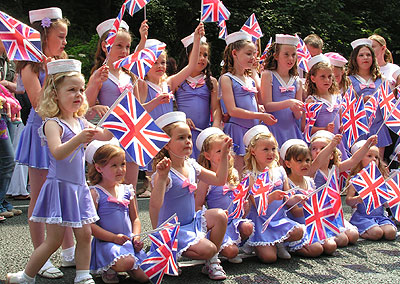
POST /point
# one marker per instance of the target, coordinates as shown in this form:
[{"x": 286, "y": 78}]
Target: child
[
  {"x": 114, "y": 246},
  {"x": 262, "y": 152},
  {"x": 239, "y": 91},
  {"x": 64, "y": 199},
  {"x": 339, "y": 70},
  {"x": 281, "y": 90},
  {"x": 200, "y": 90},
  {"x": 375, "y": 225},
  {"x": 366, "y": 78},
  {"x": 173, "y": 192},
  {"x": 29, "y": 151},
  {"x": 314, "y": 44},
  {"x": 209, "y": 143}
]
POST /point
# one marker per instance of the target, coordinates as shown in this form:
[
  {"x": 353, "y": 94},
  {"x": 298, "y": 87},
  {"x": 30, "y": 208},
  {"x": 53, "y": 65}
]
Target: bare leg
[
  {"x": 131, "y": 176},
  {"x": 266, "y": 254},
  {"x": 82, "y": 252}
]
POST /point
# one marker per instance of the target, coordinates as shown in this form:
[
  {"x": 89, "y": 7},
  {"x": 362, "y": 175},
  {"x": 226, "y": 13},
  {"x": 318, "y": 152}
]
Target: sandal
[
  {"x": 86, "y": 281},
  {"x": 2, "y": 219},
  {"x": 50, "y": 272},
  {"x": 145, "y": 194},
  {"x": 13, "y": 278},
  {"x": 214, "y": 271},
  {"x": 110, "y": 276}
]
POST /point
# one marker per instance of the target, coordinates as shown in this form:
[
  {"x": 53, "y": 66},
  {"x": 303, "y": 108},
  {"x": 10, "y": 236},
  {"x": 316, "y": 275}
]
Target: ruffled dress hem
[
  {"x": 281, "y": 240},
  {"x": 59, "y": 221}
]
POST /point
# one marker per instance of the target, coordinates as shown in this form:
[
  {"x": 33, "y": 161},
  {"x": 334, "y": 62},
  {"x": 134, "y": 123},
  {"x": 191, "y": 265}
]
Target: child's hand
[
  {"x": 137, "y": 244},
  {"x": 330, "y": 127},
  {"x": 300, "y": 198},
  {"x": 190, "y": 123},
  {"x": 372, "y": 140},
  {"x": 100, "y": 110},
  {"x": 163, "y": 167},
  {"x": 296, "y": 105},
  {"x": 358, "y": 199},
  {"x": 276, "y": 195},
  {"x": 227, "y": 144},
  {"x": 86, "y": 136},
  {"x": 268, "y": 119},
  {"x": 336, "y": 140},
  {"x": 100, "y": 75},
  {"x": 199, "y": 32},
  {"x": 120, "y": 239},
  {"x": 144, "y": 30},
  {"x": 163, "y": 98}
]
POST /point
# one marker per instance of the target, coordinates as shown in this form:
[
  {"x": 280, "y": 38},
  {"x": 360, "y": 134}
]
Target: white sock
[
  {"x": 82, "y": 275},
  {"x": 214, "y": 259},
  {"x": 28, "y": 278},
  {"x": 68, "y": 254}
]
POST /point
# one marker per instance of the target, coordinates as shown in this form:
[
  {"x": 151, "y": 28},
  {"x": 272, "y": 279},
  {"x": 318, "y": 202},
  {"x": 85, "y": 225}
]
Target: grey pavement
[{"x": 366, "y": 262}]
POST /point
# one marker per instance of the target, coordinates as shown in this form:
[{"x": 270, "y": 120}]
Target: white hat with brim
[
  {"x": 317, "y": 59},
  {"x": 64, "y": 65},
  {"x": 190, "y": 38},
  {"x": 170, "y": 117},
  {"x": 51, "y": 13},
  {"x": 236, "y": 36},
  {"x": 361, "y": 41},
  {"x": 290, "y": 143},
  {"x": 108, "y": 24},
  {"x": 205, "y": 134},
  {"x": 286, "y": 39},
  {"x": 93, "y": 146},
  {"x": 253, "y": 132},
  {"x": 357, "y": 146},
  {"x": 323, "y": 134}
]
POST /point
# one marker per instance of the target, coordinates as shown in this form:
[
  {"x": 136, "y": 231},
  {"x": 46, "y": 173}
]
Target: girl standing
[{"x": 339, "y": 70}]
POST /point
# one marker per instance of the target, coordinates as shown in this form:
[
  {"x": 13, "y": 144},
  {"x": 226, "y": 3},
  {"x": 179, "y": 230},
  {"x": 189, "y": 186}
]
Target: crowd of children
[{"x": 243, "y": 123}]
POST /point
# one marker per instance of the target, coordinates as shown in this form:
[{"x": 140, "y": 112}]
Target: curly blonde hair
[
  {"x": 228, "y": 57},
  {"x": 353, "y": 66},
  {"x": 271, "y": 63},
  {"x": 250, "y": 163},
  {"x": 310, "y": 85},
  {"x": 48, "y": 106}
]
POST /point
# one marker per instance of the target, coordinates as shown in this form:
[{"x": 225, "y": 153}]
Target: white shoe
[
  {"x": 282, "y": 252},
  {"x": 13, "y": 278},
  {"x": 236, "y": 259},
  {"x": 67, "y": 263},
  {"x": 214, "y": 271}
]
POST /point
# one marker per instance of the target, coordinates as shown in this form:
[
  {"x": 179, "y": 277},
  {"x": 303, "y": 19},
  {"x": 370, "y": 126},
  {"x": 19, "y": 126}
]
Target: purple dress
[
  {"x": 287, "y": 126},
  {"x": 65, "y": 197},
  {"x": 196, "y": 104},
  {"x": 384, "y": 138},
  {"x": 245, "y": 98},
  {"x": 280, "y": 226},
  {"x": 152, "y": 92},
  {"x": 179, "y": 199},
  {"x": 30, "y": 151},
  {"x": 105, "y": 254}
]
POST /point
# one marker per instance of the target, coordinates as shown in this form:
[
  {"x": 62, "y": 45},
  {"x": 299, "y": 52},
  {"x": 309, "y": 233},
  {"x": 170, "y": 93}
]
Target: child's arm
[
  {"x": 351, "y": 198},
  {"x": 215, "y": 105},
  {"x": 136, "y": 224},
  {"x": 359, "y": 155},
  {"x": 32, "y": 85},
  {"x": 200, "y": 195},
  {"x": 144, "y": 32},
  {"x": 295, "y": 197},
  {"x": 323, "y": 157},
  {"x": 158, "y": 191},
  {"x": 101, "y": 134},
  {"x": 151, "y": 105},
  {"x": 95, "y": 83},
  {"x": 174, "y": 80}
]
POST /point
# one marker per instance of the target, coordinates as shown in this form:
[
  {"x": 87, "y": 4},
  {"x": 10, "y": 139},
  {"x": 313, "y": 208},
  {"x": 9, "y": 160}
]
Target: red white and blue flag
[
  {"x": 303, "y": 55},
  {"x": 135, "y": 129},
  {"x": 132, "y": 6},
  {"x": 260, "y": 190},
  {"x": 223, "y": 31},
  {"x": 252, "y": 27},
  {"x": 370, "y": 107},
  {"x": 333, "y": 189},
  {"x": 214, "y": 11},
  {"x": 240, "y": 193},
  {"x": 386, "y": 98},
  {"x": 264, "y": 54},
  {"x": 112, "y": 34},
  {"x": 371, "y": 186},
  {"x": 393, "y": 115},
  {"x": 393, "y": 186},
  {"x": 20, "y": 41},
  {"x": 311, "y": 113}
]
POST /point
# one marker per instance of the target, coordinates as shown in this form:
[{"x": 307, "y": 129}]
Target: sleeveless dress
[
  {"x": 280, "y": 226},
  {"x": 106, "y": 254},
  {"x": 359, "y": 84},
  {"x": 195, "y": 103},
  {"x": 65, "y": 197},
  {"x": 179, "y": 199},
  {"x": 30, "y": 151},
  {"x": 152, "y": 92},
  {"x": 287, "y": 126},
  {"x": 245, "y": 97}
]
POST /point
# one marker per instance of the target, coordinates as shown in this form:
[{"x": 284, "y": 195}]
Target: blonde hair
[
  {"x": 48, "y": 105},
  {"x": 250, "y": 163},
  {"x": 271, "y": 63},
  {"x": 388, "y": 57},
  {"x": 228, "y": 57},
  {"x": 101, "y": 158},
  {"x": 353, "y": 66},
  {"x": 336, "y": 155},
  {"x": 203, "y": 161},
  {"x": 310, "y": 85}
]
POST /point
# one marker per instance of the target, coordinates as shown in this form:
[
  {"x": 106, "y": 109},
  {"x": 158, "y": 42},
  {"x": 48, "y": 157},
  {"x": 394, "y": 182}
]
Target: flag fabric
[
  {"x": 386, "y": 98},
  {"x": 252, "y": 27},
  {"x": 370, "y": 185},
  {"x": 393, "y": 118},
  {"x": 264, "y": 54},
  {"x": 135, "y": 129},
  {"x": 223, "y": 31},
  {"x": 132, "y": 6},
  {"x": 333, "y": 189},
  {"x": 141, "y": 61},
  {"x": 370, "y": 107},
  {"x": 112, "y": 35},
  {"x": 20, "y": 41},
  {"x": 393, "y": 186},
  {"x": 303, "y": 55},
  {"x": 214, "y": 11},
  {"x": 240, "y": 194},
  {"x": 260, "y": 190},
  {"x": 343, "y": 176},
  {"x": 311, "y": 113}
]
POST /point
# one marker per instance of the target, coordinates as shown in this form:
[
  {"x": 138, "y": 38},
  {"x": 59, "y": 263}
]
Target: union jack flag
[
  {"x": 135, "y": 129},
  {"x": 370, "y": 109},
  {"x": 303, "y": 55},
  {"x": 393, "y": 186},
  {"x": 240, "y": 193},
  {"x": 370, "y": 185},
  {"x": 141, "y": 61},
  {"x": 252, "y": 27},
  {"x": 343, "y": 176},
  {"x": 133, "y": 6},
  {"x": 333, "y": 189},
  {"x": 386, "y": 99},
  {"x": 223, "y": 31},
  {"x": 264, "y": 54},
  {"x": 311, "y": 113},
  {"x": 112, "y": 35},
  {"x": 20, "y": 41},
  {"x": 393, "y": 119},
  {"x": 260, "y": 190},
  {"x": 214, "y": 11}
]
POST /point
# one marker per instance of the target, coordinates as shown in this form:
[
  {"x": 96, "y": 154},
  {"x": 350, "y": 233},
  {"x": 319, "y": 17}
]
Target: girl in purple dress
[
  {"x": 174, "y": 184},
  {"x": 209, "y": 143},
  {"x": 64, "y": 200},
  {"x": 281, "y": 90},
  {"x": 116, "y": 246}
]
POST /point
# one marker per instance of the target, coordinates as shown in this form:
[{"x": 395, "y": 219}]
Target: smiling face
[
  {"x": 286, "y": 56},
  {"x": 245, "y": 57},
  {"x": 159, "y": 67},
  {"x": 114, "y": 171},
  {"x": 203, "y": 58},
  {"x": 323, "y": 79},
  {"x": 265, "y": 153},
  {"x": 181, "y": 141},
  {"x": 364, "y": 58},
  {"x": 70, "y": 94},
  {"x": 56, "y": 39},
  {"x": 120, "y": 48}
]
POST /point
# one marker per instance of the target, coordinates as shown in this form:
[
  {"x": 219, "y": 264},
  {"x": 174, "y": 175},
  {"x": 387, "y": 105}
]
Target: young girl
[
  {"x": 53, "y": 30},
  {"x": 114, "y": 246},
  {"x": 366, "y": 78},
  {"x": 239, "y": 91},
  {"x": 64, "y": 200},
  {"x": 173, "y": 192},
  {"x": 281, "y": 90},
  {"x": 262, "y": 152},
  {"x": 200, "y": 90},
  {"x": 375, "y": 225},
  {"x": 209, "y": 142},
  {"x": 339, "y": 70}
]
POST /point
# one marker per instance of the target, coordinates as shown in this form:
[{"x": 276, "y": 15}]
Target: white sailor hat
[
  {"x": 286, "y": 39},
  {"x": 205, "y": 134},
  {"x": 253, "y": 132},
  {"x": 236, "y": 36},
  {"x": 63, "y": 65},
  {"x": 323, "y": 134},
  {"x": 40, "y": 14},
  {"x": 317, "y": 59},
  {"x": 361, "y": 41},
  {"x": 152, "y": 42},
  {"x": 357, "y": 146},
  {"x": 289, "y": 143},
  {"x": 190, "y": 38},
  {"x": 96, "y": 144},
  {"x": 336, "y": 59},
  {"x": 170, "y": 117},
  {"x": 108, "y": 24}
]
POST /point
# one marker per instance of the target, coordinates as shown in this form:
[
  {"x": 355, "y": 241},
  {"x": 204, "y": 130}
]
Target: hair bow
[
  {"x": 192, "y": 186},
  {"x": 288, "y": 89},
  {"x": 123, "y": 202}
]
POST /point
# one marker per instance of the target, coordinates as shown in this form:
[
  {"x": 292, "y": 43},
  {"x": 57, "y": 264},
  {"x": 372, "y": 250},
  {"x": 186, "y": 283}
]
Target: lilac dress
[
  {"x": 105, "y": 254},
  {"x": 384, "y": 138},
  {"x": 152, "y": 92},
  {"x": 30, "y": 151},
  {"x": 196, "y": 104},
  {"x": 65, "y": 197},
  {"x": 179, "y": 199},
  {"x": 245, "y": 97},
  {"x": 280, "y": 226},
  {"x": 287, "y": 126}
]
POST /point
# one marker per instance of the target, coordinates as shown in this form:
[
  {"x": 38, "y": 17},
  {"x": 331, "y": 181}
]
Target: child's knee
[
  {"x": 296, "y": 234},
  {"x": 315, "y": 249},
  {"x": 124, "y": 264},
  {"x": 266, "y": 255},
  {"x": 329, "y": 246},
  {"x": 389, "y": 232},
  {"x": 341, "y": 240},
  {"x": 230, "y": 251},
  {"x": 353, "y": 236},
  {"x": 246, "y": 229},
  {"x": 374, "y": 233}
]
